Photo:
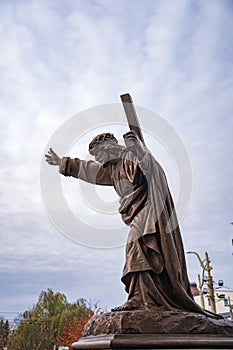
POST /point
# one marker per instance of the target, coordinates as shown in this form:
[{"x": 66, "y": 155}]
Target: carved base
[
  {"x": 155, "y": 330},
  {"x": 156, "y": 322}
]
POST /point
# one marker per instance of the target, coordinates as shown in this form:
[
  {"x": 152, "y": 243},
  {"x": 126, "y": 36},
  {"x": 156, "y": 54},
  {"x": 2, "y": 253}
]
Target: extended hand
[
  {"x": 133, "y": 142},
  {"x": 52, "y": 158}
]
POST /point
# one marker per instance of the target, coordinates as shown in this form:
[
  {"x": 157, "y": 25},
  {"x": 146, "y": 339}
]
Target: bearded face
[{"x": 106, "y": 151}]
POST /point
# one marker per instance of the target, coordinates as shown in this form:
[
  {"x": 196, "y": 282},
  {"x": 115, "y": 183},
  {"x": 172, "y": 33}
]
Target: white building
[{"x": 223, "y": 299}]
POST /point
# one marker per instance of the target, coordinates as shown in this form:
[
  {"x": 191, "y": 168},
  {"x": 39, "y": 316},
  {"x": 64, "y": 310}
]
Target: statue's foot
[{"x": 129, "y": 305}]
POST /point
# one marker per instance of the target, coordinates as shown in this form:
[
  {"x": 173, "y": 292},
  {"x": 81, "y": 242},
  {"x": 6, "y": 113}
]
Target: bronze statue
[{"x": 154, "y": 274}]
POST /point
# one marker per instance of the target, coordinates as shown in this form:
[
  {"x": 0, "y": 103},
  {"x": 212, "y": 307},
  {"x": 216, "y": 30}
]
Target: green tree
[
  {"x": 42, "y": 325},
  {"x": 4, "y": 333}
]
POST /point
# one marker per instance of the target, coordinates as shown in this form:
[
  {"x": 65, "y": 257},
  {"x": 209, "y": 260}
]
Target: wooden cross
[{"x": 131, "y": 115}]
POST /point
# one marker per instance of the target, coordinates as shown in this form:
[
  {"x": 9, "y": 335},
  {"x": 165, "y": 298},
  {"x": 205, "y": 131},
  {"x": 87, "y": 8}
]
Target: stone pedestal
[
  {"x": 156, "y": 341},
  {"x": 155, "y": 330}
]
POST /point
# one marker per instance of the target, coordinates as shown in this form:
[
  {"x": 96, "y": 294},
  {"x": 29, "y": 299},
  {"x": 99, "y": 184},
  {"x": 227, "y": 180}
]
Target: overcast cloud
[{"x": 59, "y": 58}]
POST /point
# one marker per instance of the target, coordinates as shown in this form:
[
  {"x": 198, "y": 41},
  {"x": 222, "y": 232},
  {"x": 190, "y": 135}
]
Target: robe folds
[{"x": 155, "y": 273}]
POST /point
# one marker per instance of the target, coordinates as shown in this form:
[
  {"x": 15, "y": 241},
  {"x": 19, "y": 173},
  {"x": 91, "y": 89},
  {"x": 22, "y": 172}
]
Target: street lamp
[
  {"x": 230, "y": 308},
  {"x": 200, "y": 285},
  {"x": 208, "y": 268}
]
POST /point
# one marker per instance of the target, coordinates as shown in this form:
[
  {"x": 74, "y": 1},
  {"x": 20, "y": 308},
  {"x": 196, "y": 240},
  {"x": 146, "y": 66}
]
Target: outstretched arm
[{"x": 88, "y": 171}]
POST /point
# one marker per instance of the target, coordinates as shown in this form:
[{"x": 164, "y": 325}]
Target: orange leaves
[{"x": 72, "y": 331}]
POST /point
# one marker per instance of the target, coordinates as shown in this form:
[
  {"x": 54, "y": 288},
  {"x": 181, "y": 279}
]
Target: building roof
[{"x": 223, "y": 289}]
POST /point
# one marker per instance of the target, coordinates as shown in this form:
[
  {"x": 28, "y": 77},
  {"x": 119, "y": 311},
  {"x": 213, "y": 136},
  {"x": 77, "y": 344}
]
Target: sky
[{"x": 62, "y": 64}]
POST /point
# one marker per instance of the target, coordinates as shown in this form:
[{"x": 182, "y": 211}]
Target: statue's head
[
  {"x": 104, "y": 147},
  {"x": 101, "y": 141}
]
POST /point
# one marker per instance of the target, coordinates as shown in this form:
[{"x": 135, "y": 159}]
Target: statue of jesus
[{"x": 155, "y": 274}]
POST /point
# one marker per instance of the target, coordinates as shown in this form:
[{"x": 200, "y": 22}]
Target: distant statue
[{"x": 154, "y": 274}]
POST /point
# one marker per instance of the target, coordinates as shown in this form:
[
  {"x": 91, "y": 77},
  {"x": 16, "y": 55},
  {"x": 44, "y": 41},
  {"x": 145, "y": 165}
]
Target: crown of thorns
[{"x": 99, "y": 139}]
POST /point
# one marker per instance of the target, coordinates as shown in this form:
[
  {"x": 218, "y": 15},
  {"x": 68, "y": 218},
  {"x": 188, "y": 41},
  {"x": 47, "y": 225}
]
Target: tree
[
  {"x": 41, "y": 326},
  {"x": 4, "y": 333},
  {"x": 72, "y": 331}
]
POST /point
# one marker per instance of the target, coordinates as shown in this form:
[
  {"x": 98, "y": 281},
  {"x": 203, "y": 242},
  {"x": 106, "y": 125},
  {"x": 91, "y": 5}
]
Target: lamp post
[
  {"x": 230, "y": 308},
  {"x": 208, "y": 268},
  {"x": 200, "y": 285},
  {"x": 210, "y": 283}
]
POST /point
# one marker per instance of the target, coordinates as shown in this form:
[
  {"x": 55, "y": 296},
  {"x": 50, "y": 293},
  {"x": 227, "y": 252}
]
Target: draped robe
[{"x": 155, "y": 273}]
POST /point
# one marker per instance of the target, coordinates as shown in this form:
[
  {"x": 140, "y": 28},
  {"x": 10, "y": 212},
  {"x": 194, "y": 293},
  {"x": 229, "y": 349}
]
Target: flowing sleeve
[{"x": 88, "y": 171}]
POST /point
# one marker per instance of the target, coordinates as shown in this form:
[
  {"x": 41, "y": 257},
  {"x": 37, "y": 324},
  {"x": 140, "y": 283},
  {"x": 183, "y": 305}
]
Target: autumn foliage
[{"x": 72, "y": 331}]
